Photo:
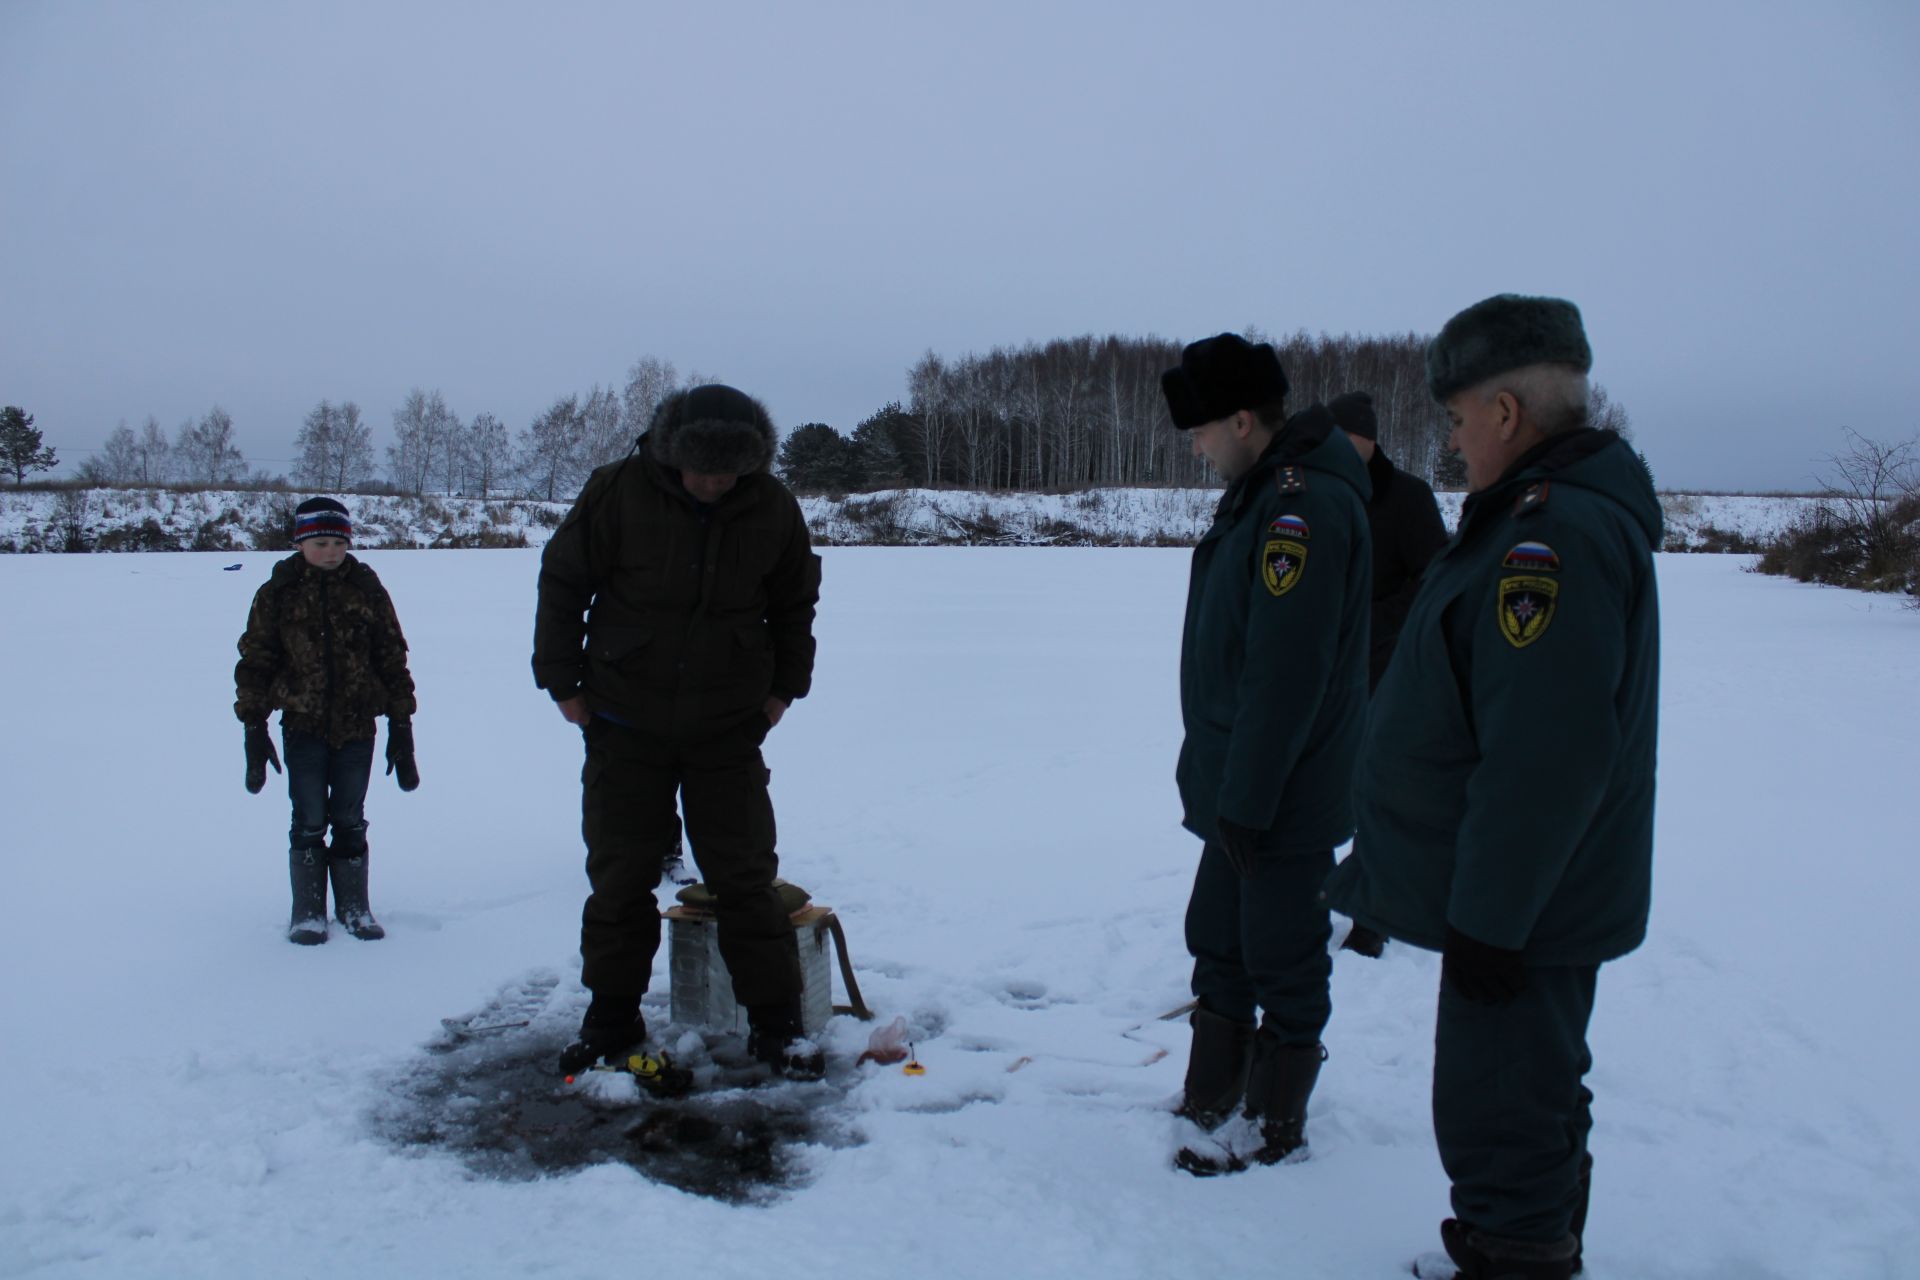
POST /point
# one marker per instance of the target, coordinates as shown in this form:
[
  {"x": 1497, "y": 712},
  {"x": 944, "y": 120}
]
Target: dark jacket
[
  {"x": 1273, "y": 667},
  {"x": 324, "y": 648},
  {"x": 1506, "y": 784},
  {"x": 1407, "y": 532},
  {"x": 675, "y": 617}
]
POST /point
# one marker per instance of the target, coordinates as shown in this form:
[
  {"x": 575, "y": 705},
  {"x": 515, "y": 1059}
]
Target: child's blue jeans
[{"x": 328, "y": 786}]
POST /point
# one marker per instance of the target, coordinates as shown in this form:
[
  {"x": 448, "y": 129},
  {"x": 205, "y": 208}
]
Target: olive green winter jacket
[
  {"x": 1273, "y": 658},
  {"x": 1505, "y": 787},
  {"x": 675, "y": 617}
]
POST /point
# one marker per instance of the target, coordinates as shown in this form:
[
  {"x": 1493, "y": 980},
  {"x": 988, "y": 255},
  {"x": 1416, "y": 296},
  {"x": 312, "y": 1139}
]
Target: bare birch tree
[
  {"x": 206, "y": 450},
  {"x": 489, "y": 453}
]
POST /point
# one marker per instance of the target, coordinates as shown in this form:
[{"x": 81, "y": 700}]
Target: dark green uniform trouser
[
  {"x": 630, "y": 785},
  {"x": 1510, "y": 1109},
  {"x": 1260, "y": 942}
]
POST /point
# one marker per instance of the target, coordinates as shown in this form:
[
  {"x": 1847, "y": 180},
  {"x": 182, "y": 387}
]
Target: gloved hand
[
  {"x": 1363, "y": 941},
  {"x": 400, "y": 753},
  {"x": 1237, "y": 842},
  {"x": 260, "y": 754},
  {"x": 1480, "y": 972}
]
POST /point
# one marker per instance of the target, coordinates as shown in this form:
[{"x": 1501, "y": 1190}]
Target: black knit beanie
[
  {"x": 321, "y": 518},
  {"x": 1354, "y": 414}
]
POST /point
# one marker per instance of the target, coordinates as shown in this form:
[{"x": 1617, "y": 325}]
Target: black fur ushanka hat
[{"x": 1219, "y": 376}]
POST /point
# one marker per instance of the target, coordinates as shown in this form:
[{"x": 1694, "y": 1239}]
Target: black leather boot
[
  {"x": 611, "y": 1026},
  {"x": 350, "y": 905},
  {"x": 1483, "y": 1257},
  {"x": 777, "y": 1036},
  {"x": 1217, "y": 1065},
  {"x": 308, "y": 871},
  {"x": 1278, "y": 1087}
]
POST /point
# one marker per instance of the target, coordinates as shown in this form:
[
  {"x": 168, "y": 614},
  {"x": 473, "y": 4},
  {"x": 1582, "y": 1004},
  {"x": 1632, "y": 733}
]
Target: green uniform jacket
[
  {"x": 1506, "y": 783},
  {"x": 1273, "y": 658},
  {"x": 673, "y": 617},
  {"x": 324, "y": 648}
]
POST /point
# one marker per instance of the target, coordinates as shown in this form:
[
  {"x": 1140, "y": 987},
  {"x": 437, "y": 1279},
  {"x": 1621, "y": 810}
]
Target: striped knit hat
[{"x": 321, "y": 518}]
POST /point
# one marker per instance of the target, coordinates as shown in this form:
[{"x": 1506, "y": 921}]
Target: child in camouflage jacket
[{"x": 324, "y": 647}]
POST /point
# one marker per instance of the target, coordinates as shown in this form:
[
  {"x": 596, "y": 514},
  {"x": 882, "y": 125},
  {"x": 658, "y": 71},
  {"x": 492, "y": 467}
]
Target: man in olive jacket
[
  {"x": 675, "y": 626},
  {"x": 1273, "y": 688},
  {"x": 1505, "y": 788}
]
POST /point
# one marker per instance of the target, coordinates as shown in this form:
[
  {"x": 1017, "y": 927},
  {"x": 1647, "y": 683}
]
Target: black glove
[
  {"x": 1482, "y": 973},
  {"x": 260, "y": 754},
  {"x": 400, "y": 753},
  {"x": 1237, "y": 842},
  {"x": 1363, "y": 941}
]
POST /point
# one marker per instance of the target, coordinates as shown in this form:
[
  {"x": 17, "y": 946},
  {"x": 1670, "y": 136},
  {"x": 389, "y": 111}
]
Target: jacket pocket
[
  {"x": 751, "y": 674},
  {"x": 614, "y": 645}
]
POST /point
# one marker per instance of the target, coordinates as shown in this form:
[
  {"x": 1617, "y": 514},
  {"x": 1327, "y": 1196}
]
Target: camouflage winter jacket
[{"x": 325, "y": 649}]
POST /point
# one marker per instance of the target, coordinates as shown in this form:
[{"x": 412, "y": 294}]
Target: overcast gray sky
[{"x": 262, "y": 204}]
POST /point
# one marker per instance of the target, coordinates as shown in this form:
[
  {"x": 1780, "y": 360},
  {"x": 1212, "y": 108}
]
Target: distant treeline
[
  {"x": 1069, "y": 414},
  {"x": 1086, "y": 412}
]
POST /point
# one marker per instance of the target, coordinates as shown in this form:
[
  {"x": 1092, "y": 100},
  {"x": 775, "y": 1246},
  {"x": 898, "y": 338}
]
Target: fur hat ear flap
[
  {"x": 712, "y": 430},
  {"x": 1505, "y": 332}
]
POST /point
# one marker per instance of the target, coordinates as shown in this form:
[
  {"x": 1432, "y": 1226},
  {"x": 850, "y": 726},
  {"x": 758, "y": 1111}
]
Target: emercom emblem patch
[
  {"x": 1281, "y": 563},
  {"x": 1526, "y": 608}
]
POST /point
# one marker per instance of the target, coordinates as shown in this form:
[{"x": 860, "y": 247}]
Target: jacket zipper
[{"x": 326, "y": 639}]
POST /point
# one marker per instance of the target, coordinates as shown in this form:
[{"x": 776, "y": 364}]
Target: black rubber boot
[
  {"x": 1483, "y": 1257},
  {"x": 1217, "y": 1065},
  {"x": 612, "y": 1026},
  {"x": 777, "y": 1036},
  {"x": 1278, "y": 1087},
  {"x": 350, "y": 905},
  {"x": 308, "y": 870}
]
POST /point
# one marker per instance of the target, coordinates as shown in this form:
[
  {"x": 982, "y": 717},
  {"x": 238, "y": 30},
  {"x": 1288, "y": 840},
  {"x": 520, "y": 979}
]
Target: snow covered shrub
[
  {"x": 71, "y": 511},
  {"x": 1829, "y": 547},
  {"x": 271, "y": 528},
  {"x": 1711, "y": 539},
  {"x": 148, "y": 535},
  {"x": 486, "y": 536}
]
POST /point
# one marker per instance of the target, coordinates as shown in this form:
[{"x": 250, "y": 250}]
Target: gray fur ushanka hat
[
  {"x": 711, "y": 430},
  {"x": 1505, "y": 332}
]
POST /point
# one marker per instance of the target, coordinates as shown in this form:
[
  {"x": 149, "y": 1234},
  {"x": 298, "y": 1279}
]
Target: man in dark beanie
[
  {"x": 675, "y": 627},
  {"x": 1405, "y": 521},
  {"x": 1273, "y": 689},
  {"x": 1407, "y": 530},
  {"x": 1505, "y": 790}
]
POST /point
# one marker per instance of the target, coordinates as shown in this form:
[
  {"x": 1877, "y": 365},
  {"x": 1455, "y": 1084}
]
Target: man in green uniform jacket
[
  {"x": 1505, "y": 788},
  {"x": 675, "y": 626},
  {"x": 1273, "y": 689}
]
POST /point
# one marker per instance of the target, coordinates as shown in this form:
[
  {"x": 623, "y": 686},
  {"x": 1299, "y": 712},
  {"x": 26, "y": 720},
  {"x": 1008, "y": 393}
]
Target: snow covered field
[{"x": 982, "y": 786}]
